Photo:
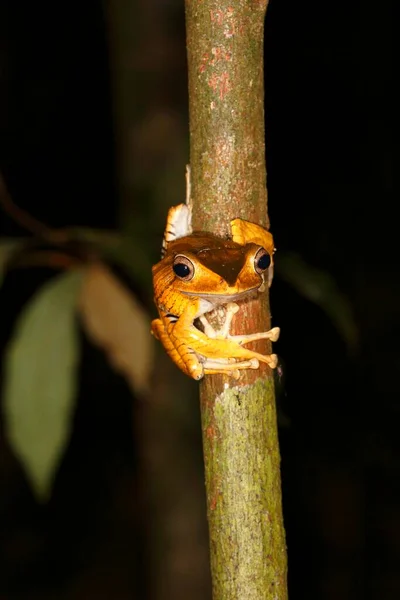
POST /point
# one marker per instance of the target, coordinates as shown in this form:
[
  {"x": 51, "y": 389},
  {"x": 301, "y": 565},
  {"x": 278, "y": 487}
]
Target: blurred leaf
[
  {"x": 319, "y": 287},
  {"x": 40, "y": 379},
  {"x": 115, "y": 320}
]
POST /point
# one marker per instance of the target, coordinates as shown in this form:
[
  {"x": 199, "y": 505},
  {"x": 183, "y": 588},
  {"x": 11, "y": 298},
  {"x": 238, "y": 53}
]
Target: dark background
[{"x": 81, "y": 144}]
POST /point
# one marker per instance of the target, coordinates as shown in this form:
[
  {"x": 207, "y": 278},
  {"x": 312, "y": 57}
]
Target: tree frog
[{"x": 199, "y": 272}]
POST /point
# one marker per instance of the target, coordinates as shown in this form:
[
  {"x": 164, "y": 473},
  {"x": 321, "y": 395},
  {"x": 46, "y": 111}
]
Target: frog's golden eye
[
  {"x": 262, "y": 260},
  {"x": 183, "y": 267}
]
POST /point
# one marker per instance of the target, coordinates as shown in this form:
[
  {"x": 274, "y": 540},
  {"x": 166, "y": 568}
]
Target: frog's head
[{"x": 205, "y": 266}]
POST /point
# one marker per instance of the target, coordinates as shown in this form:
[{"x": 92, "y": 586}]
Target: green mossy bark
[
  {"x": 241, "y": 450},
  {"x": 227, "y": 157}
]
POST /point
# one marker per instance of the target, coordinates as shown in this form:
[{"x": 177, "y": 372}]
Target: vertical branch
[{"x": 227, "y": 156}]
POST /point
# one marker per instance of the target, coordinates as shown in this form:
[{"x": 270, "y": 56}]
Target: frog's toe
[
  {"x": 274, "y": 334},
  {"x": 196, "y": 371},
  {"x": 273, "y": 361},
  {"x": 197, "y": 375},
  {"x": 235, "y": 374},
  {"x": 254, "y": 363}
]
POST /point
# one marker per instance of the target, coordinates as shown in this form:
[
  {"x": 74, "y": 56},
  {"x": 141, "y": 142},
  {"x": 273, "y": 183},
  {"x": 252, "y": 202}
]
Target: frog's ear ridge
[
  {"x": 179, "y": 224},
  {"x": 244, "y": 232}
]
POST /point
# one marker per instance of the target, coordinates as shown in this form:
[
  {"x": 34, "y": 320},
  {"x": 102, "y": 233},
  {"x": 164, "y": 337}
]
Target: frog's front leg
[{"x": 231, "y": 309}]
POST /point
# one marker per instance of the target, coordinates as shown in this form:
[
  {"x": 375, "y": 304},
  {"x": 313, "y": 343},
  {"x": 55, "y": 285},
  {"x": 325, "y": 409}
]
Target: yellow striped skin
[{"x": 221, "y": 273}]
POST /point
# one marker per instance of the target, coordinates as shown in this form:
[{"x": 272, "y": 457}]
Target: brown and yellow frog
[{"x": 199, "y": 272}]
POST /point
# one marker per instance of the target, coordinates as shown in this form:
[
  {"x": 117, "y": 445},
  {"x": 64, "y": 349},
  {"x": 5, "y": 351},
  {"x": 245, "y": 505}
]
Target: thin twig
[
  {"x": 25, "y": 220},
  {"x": 46, "y": 259}
]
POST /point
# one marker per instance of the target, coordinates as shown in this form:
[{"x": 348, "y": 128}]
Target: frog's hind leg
[
  {"x": 188, "y": 362},
  {"x": 222, "y": 349}
]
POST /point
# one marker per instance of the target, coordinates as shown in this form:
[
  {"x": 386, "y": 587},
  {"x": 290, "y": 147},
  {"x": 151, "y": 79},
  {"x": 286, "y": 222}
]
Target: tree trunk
[{"x": 227, "y": 156}]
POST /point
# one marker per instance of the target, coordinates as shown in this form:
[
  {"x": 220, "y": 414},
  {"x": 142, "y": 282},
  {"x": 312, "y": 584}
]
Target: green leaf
[
  {"x": 319, "y": 287},
  {"x": 40, "y": 379}
]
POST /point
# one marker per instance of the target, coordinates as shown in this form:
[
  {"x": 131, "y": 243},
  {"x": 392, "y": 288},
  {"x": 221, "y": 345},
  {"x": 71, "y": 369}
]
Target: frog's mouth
[{"x": 217, "y": 299}]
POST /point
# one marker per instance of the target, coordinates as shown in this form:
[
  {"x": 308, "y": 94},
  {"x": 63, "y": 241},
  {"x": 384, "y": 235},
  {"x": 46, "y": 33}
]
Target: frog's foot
[
  {"x": 228, "y": 366},
  {"x": 272, "y": 360}
]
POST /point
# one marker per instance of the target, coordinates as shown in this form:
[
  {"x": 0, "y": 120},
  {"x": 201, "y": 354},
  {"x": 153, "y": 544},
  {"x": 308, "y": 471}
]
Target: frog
[{"x": 200, "y": 272}]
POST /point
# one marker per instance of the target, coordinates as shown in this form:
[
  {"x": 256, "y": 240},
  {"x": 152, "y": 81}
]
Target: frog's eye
[
  {"x": 183, "y": 267},
  {"x": 262, "y": 260}
]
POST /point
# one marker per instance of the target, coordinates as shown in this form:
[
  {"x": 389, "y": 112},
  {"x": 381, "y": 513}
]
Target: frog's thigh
[
  {"x": 181, "y": 352},
  {"x": 193, "y": 368},
  {"x": 159, "y": 331}
]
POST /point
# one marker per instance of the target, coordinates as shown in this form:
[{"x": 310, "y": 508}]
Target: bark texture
[{"x": 227, "y": 157}]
